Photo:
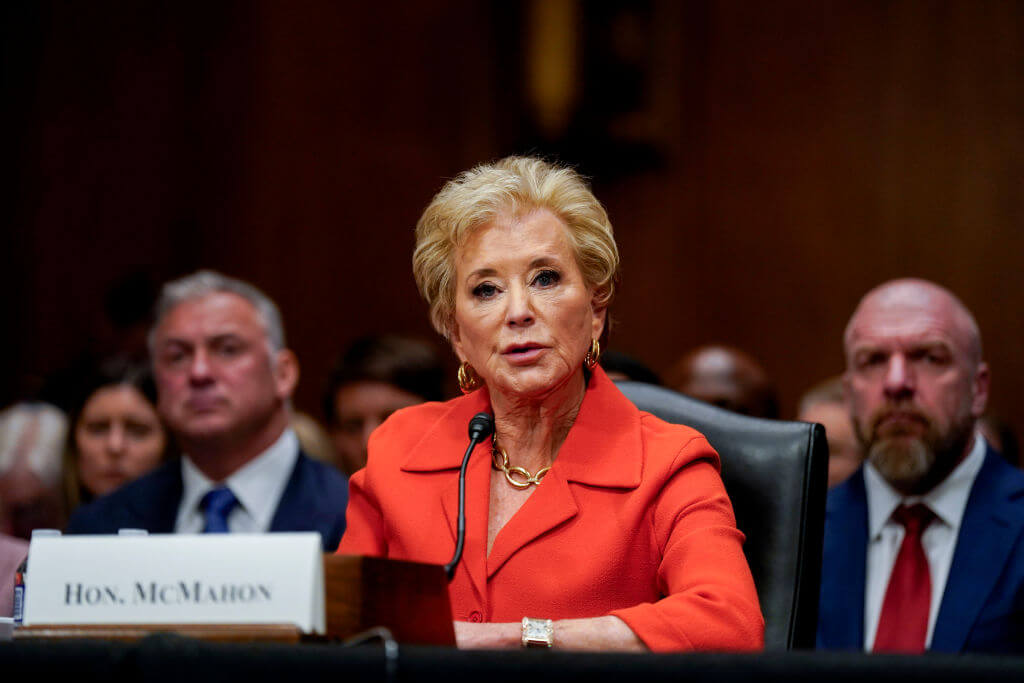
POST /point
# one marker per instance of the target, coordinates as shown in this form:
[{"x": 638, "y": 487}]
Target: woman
[
  {"x": 115, "y": 434},
  {"x": 581, "y": 509},
  {"x": 374, "y": 377}
]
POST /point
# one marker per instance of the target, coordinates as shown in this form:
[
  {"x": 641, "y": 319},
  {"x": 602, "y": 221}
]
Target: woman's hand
[
  {"x": 597, "y": 633},
  {"x": 473, "y": 636}
]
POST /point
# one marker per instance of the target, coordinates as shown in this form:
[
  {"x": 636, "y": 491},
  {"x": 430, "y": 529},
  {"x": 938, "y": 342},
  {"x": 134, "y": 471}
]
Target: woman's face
[
  {"x": 524, "y": 316},
  {"x": 118, "y": 438},
  {"x": 361, "y": 407}
]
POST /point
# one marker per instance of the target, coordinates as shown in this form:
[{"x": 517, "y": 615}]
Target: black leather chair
[{"x": 775, "y": 473}]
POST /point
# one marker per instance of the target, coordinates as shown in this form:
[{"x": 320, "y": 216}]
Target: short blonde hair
[{"x": 515, "y": 185}]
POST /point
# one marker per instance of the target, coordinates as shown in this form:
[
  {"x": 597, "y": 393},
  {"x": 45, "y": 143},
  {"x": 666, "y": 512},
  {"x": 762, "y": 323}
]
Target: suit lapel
[
  {"x": 478, "y": 485},
  {"x": 441, "y": 448},
  {"x": 844, "y": 567},
  {"x": 597, "y": 452},
  {"x": 602, "y": 449},
  {"x": 295, "y": 511},
  {"x": 155, "y": 505},
  {"x": 987, "y": 535},
  {"x": 550, "y": 505}
]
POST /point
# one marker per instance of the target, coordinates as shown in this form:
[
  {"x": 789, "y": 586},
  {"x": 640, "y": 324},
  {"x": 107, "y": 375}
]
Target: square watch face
[{"x": 537, "y": 629}]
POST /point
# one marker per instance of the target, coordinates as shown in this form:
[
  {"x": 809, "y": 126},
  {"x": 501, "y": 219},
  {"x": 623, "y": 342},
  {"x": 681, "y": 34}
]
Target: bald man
[
  {"x": 924, "y": 544},
  {"x": 728, "y": 378}
]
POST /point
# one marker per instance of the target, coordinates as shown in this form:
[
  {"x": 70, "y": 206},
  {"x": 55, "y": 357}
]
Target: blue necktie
[{"x": 217, "y": 504}]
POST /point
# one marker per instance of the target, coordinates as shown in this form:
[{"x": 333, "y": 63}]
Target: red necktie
[{"x": 903, "y": 623}]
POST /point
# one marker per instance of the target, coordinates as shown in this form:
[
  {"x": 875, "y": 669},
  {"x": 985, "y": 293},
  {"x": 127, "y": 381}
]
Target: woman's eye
[
  {"x": 97, "y": 427},
  {"x": 484, "y": 290},
  {"x": 138, "y": 430},
  {"x": 546, "y": 278}
]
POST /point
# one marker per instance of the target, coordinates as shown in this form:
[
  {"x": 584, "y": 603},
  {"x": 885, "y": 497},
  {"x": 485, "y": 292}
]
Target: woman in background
[
  {"x": 114, "y": 435},
  {"x": 376, "y": 376}
]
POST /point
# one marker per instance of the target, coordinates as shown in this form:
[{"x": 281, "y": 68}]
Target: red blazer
[{"x": 631, "y": 520}]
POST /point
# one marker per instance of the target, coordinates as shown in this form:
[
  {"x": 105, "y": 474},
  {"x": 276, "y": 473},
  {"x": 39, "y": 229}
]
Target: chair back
[{"x": 775, "y": 473}]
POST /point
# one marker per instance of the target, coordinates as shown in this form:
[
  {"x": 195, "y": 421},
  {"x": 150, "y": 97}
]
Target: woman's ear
[
  {"x": 600, "y": 316},
  {"x": 456, "y": 341}
]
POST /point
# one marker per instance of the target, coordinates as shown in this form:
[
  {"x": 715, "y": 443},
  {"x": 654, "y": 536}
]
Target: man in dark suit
[
  {"x": 924, "y": 545},
  {"x": 224, "y": 380}
]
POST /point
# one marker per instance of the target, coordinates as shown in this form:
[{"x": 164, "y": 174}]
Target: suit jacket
[
  {"x": 313, "y": 500},
  {"x": 631, "y": 520},
  {"x": 982, "y": 608}
]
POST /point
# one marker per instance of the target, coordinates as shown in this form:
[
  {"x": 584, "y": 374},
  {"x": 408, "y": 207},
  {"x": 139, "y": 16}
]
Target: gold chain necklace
[{"x": 499, "y": 459}]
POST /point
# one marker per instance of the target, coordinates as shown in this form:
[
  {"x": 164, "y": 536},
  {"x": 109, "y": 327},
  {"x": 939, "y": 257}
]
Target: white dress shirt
[
  {"x": 258, "y": 486},
  {"x": 948, "y": 501}
]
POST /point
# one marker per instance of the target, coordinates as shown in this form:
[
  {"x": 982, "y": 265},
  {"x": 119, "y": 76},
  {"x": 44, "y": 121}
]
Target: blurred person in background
[
  {"x": 116, "y": 328},
  {"x": 313, "y": 438},
  {"x": 32, "y": 437},
  {"x": 728, "y": 378},
  {"x": 623, "y": 367},
  {"x": 825, "y": 403},
  {"x": 1000, "y": 436},
  {"x": 373, "y": 378},
  {"x": 115, "y": 434},
  {"x": 12, "y": 552},
  {"x": 224, "y": 382}
]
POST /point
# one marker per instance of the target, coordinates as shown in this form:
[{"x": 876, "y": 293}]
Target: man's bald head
[
  {"x": 916, "y": 296},
  {"x": 916, "y": 381},
  {"x": 728, "y": 378}
]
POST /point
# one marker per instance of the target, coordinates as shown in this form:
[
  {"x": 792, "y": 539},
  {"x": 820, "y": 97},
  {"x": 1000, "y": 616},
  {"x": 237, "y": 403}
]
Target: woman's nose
[
  {"x": 520, "y": 307},
  {"x": 115, "y": 439}
]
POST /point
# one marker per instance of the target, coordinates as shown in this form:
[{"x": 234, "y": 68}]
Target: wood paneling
[{"x": 805, "y": 154}]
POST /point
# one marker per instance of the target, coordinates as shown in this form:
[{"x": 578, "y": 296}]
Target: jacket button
[{"x": 476, "y": 616}]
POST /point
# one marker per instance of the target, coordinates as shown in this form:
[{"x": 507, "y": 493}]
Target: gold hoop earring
[
  {"x": 469, "y": 381},
  {"x": 593, "y": 354}
]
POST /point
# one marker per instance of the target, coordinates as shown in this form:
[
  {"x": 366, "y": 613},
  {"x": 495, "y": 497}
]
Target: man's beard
[{"x": 915, "y": 462}]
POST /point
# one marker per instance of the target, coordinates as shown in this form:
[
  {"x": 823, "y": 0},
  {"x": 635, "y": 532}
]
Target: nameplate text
[{"x": 176, "y": 579}]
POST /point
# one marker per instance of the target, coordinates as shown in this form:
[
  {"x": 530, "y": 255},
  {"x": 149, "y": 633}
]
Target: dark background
[{"x": 764, "y": 164}]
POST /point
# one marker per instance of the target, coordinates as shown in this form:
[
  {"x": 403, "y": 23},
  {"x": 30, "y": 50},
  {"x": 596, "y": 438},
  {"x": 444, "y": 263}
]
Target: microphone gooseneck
[{"x": 480, "y": 427}]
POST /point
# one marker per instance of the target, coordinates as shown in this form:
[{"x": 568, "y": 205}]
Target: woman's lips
[{"x": 523, "y": 354}]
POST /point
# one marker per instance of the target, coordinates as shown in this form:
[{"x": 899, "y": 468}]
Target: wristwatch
[{"x": 538, "y": 632}]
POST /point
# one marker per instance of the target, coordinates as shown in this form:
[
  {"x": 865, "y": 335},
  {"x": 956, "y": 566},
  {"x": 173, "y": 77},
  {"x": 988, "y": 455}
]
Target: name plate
[{"x": 177, "y": 579}]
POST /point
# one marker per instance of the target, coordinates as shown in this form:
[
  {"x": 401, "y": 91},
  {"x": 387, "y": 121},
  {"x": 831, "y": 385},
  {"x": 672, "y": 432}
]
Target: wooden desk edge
[{"x": 226, "y": 633}]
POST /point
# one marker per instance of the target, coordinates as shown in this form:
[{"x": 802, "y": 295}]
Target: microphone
[{"x": 480, "y": 427}]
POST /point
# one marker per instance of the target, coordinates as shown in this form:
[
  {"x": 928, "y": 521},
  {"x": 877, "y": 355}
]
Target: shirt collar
[
  {"x": 948, "y": 500},
  {"x": 606, "y": 429},
  {"x": 258, "y": 485}
]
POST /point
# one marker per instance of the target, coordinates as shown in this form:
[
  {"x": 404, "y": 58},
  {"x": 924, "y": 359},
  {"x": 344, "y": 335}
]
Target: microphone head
[{"x": 481, "y": 426}]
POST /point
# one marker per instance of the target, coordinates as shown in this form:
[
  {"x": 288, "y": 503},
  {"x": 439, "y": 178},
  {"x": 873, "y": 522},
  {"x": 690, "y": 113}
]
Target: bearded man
[{"x": 924, "y": 544}]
